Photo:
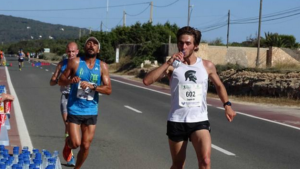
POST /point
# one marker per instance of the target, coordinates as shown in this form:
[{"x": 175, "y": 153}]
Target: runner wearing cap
[
  {"x": 72, "y": 52},
  {"x": 87, "y": 76}
]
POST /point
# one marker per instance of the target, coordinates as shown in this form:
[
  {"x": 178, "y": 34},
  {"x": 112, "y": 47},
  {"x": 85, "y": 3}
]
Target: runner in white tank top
[
  {"x": 189, "y": 82},
  {"x": 189, "y": 85}
]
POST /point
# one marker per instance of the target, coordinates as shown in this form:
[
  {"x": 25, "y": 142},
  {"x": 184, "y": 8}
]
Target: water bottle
[
  {"x": 26, "y": 164},
  {"x": 2, "y": 166},
  {"x": 50, "y": 167},
  {"x": 177, "y": 63},
  {"x": 15, "y": 155},
  {"x": 2, "y": 161},
  {"x": 38, "y": 163},
  {"x": 51, "y": 162},
  {"x": 15, "y": 166},
  {"x": 8, "y": 164},
  {"x": 58, "y": 163},
  {"x": 47, "y": 155},
  {"x": 32, "y": 166},
  {"x": 34, "y": 152}
]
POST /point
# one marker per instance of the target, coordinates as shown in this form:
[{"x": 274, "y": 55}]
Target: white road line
[
  {"x": 282, "y": 124},
  {"x": 99, "y": 94},
  {"x": 46, "y": 70},
  {"x": 21, "y": 125},
  {"x": 133, "y": 109},
  {"x": 222, "y": 108},
  {"x": 222, "y": 150},
  {"x": 141, "y": 87}
]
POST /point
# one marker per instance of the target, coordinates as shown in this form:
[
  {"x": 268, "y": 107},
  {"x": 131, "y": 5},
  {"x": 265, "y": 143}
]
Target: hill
[{"x": 14, "y": 29}]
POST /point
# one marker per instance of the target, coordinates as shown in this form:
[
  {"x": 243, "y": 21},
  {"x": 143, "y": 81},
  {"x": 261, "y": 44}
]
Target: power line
[
  {"x": 267, "y": 20},
  {"x": 271, "y": 15},
  {"x": 252, "y": 20},
  {"x": 73, "y": 9},
  {"x": 88, "y": 8},
  {"x": 163, "y": 6},
  {"x": 140, "y": 12}
]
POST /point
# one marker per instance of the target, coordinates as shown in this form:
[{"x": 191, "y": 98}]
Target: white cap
[{"x": 93, "y": 39}]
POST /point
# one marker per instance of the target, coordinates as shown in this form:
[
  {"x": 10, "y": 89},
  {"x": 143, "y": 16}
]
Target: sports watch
[
  {"x": 95, "y": 86},
  {"x": 228, "y": 103}
]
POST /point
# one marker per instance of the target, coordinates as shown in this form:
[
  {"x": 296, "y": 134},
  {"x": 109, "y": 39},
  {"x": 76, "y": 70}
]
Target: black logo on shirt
[{"x": 191, "y": 75}]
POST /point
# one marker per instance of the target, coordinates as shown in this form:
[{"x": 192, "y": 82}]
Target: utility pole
[
  {"x": 258, "y": 36},
  {"x": 124, "y": 18},
  {"x": 90, "y": 30},
  {"x": 101, "y": 26},
  {"x": 107, "y": 2},
  {"x": 228, "y": 28},
  {"x": 151, "y": 12},
  {"x": 189, "y": 14}
]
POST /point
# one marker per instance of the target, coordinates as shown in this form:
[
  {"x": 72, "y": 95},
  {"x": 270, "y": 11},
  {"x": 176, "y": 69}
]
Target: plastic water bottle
[
  {"x": 50, "y": 167},
  {"x": 26, "y": 164},
  {"x": 32, "y": 166},
  {"x": 58, "y": 163},
  {"x": 34, "y": 152},
  {"x": 8, "y": 164},
  {"x": 2, "y": 166},
  {"x": 15, "y": 154},
  {"x": 38, "y": 163},
  {"x": 177, "y": 63},
  {"x": 47, "y": 155},
  {"x": 51, "y": 162}
]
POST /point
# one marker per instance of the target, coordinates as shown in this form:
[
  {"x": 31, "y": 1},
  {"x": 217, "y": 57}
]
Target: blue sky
[{"x": 205, "y": 14}]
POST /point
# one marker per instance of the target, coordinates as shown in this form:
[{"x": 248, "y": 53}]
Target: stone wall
[
  {"x": 261, "y": 84},
  {"x": 245, "y": 56}
]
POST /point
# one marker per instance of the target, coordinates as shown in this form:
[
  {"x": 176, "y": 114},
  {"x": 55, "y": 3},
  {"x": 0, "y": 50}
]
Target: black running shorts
[
  {"x": 178, "y": 131},
  {"x": 82, "y": 119}
]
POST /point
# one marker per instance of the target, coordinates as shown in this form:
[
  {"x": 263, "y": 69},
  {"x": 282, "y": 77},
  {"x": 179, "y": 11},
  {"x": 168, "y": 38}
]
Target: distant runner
[
  {"x": 28, "y": 55},
  {"x": 2, "y": 58},
  {"x": 21, "y": 59},
  {"x": 72, "y": 52}
]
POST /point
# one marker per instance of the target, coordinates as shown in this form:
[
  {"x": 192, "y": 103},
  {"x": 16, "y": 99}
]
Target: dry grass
[
  {"x": 287, "y": 66},
  {"x": 262, "y": 100}
]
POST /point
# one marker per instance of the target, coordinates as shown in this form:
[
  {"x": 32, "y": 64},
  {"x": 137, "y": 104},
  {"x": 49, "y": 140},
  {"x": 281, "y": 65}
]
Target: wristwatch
[
  {"x": 95, "y": 86},
  {"x": 228, "y": 103}
]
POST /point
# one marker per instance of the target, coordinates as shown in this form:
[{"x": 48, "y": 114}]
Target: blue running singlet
[{"x": 78, "y": 104}]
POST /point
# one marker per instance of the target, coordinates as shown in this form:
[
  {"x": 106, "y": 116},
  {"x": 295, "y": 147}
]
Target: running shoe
[
  {"x": 71, "y": 162},
  {"x": 67, "y": 151}
]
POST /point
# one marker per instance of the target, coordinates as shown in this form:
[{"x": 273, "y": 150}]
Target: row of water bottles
[{"x": 27, "y": 160}]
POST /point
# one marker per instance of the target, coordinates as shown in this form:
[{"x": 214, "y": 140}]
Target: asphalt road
[{"x": 132, "y": 124}]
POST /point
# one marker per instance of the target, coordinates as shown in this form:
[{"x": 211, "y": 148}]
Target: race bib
[
  {"x": 190, "y": 95},
  {"x": 87, "y": 93}
]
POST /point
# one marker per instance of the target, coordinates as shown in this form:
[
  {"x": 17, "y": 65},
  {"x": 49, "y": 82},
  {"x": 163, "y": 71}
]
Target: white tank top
[{"x": 189, "y": 84}]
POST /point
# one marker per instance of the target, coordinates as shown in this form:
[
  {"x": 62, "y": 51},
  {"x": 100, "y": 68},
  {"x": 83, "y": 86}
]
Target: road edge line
[{"x": 21, "y": 124}]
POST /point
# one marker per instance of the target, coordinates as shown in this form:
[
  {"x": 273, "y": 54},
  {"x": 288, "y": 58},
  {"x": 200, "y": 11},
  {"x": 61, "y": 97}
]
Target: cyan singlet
[
  {"x": 83, "y": 102},
  {"x": 189, "y": 84}
]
